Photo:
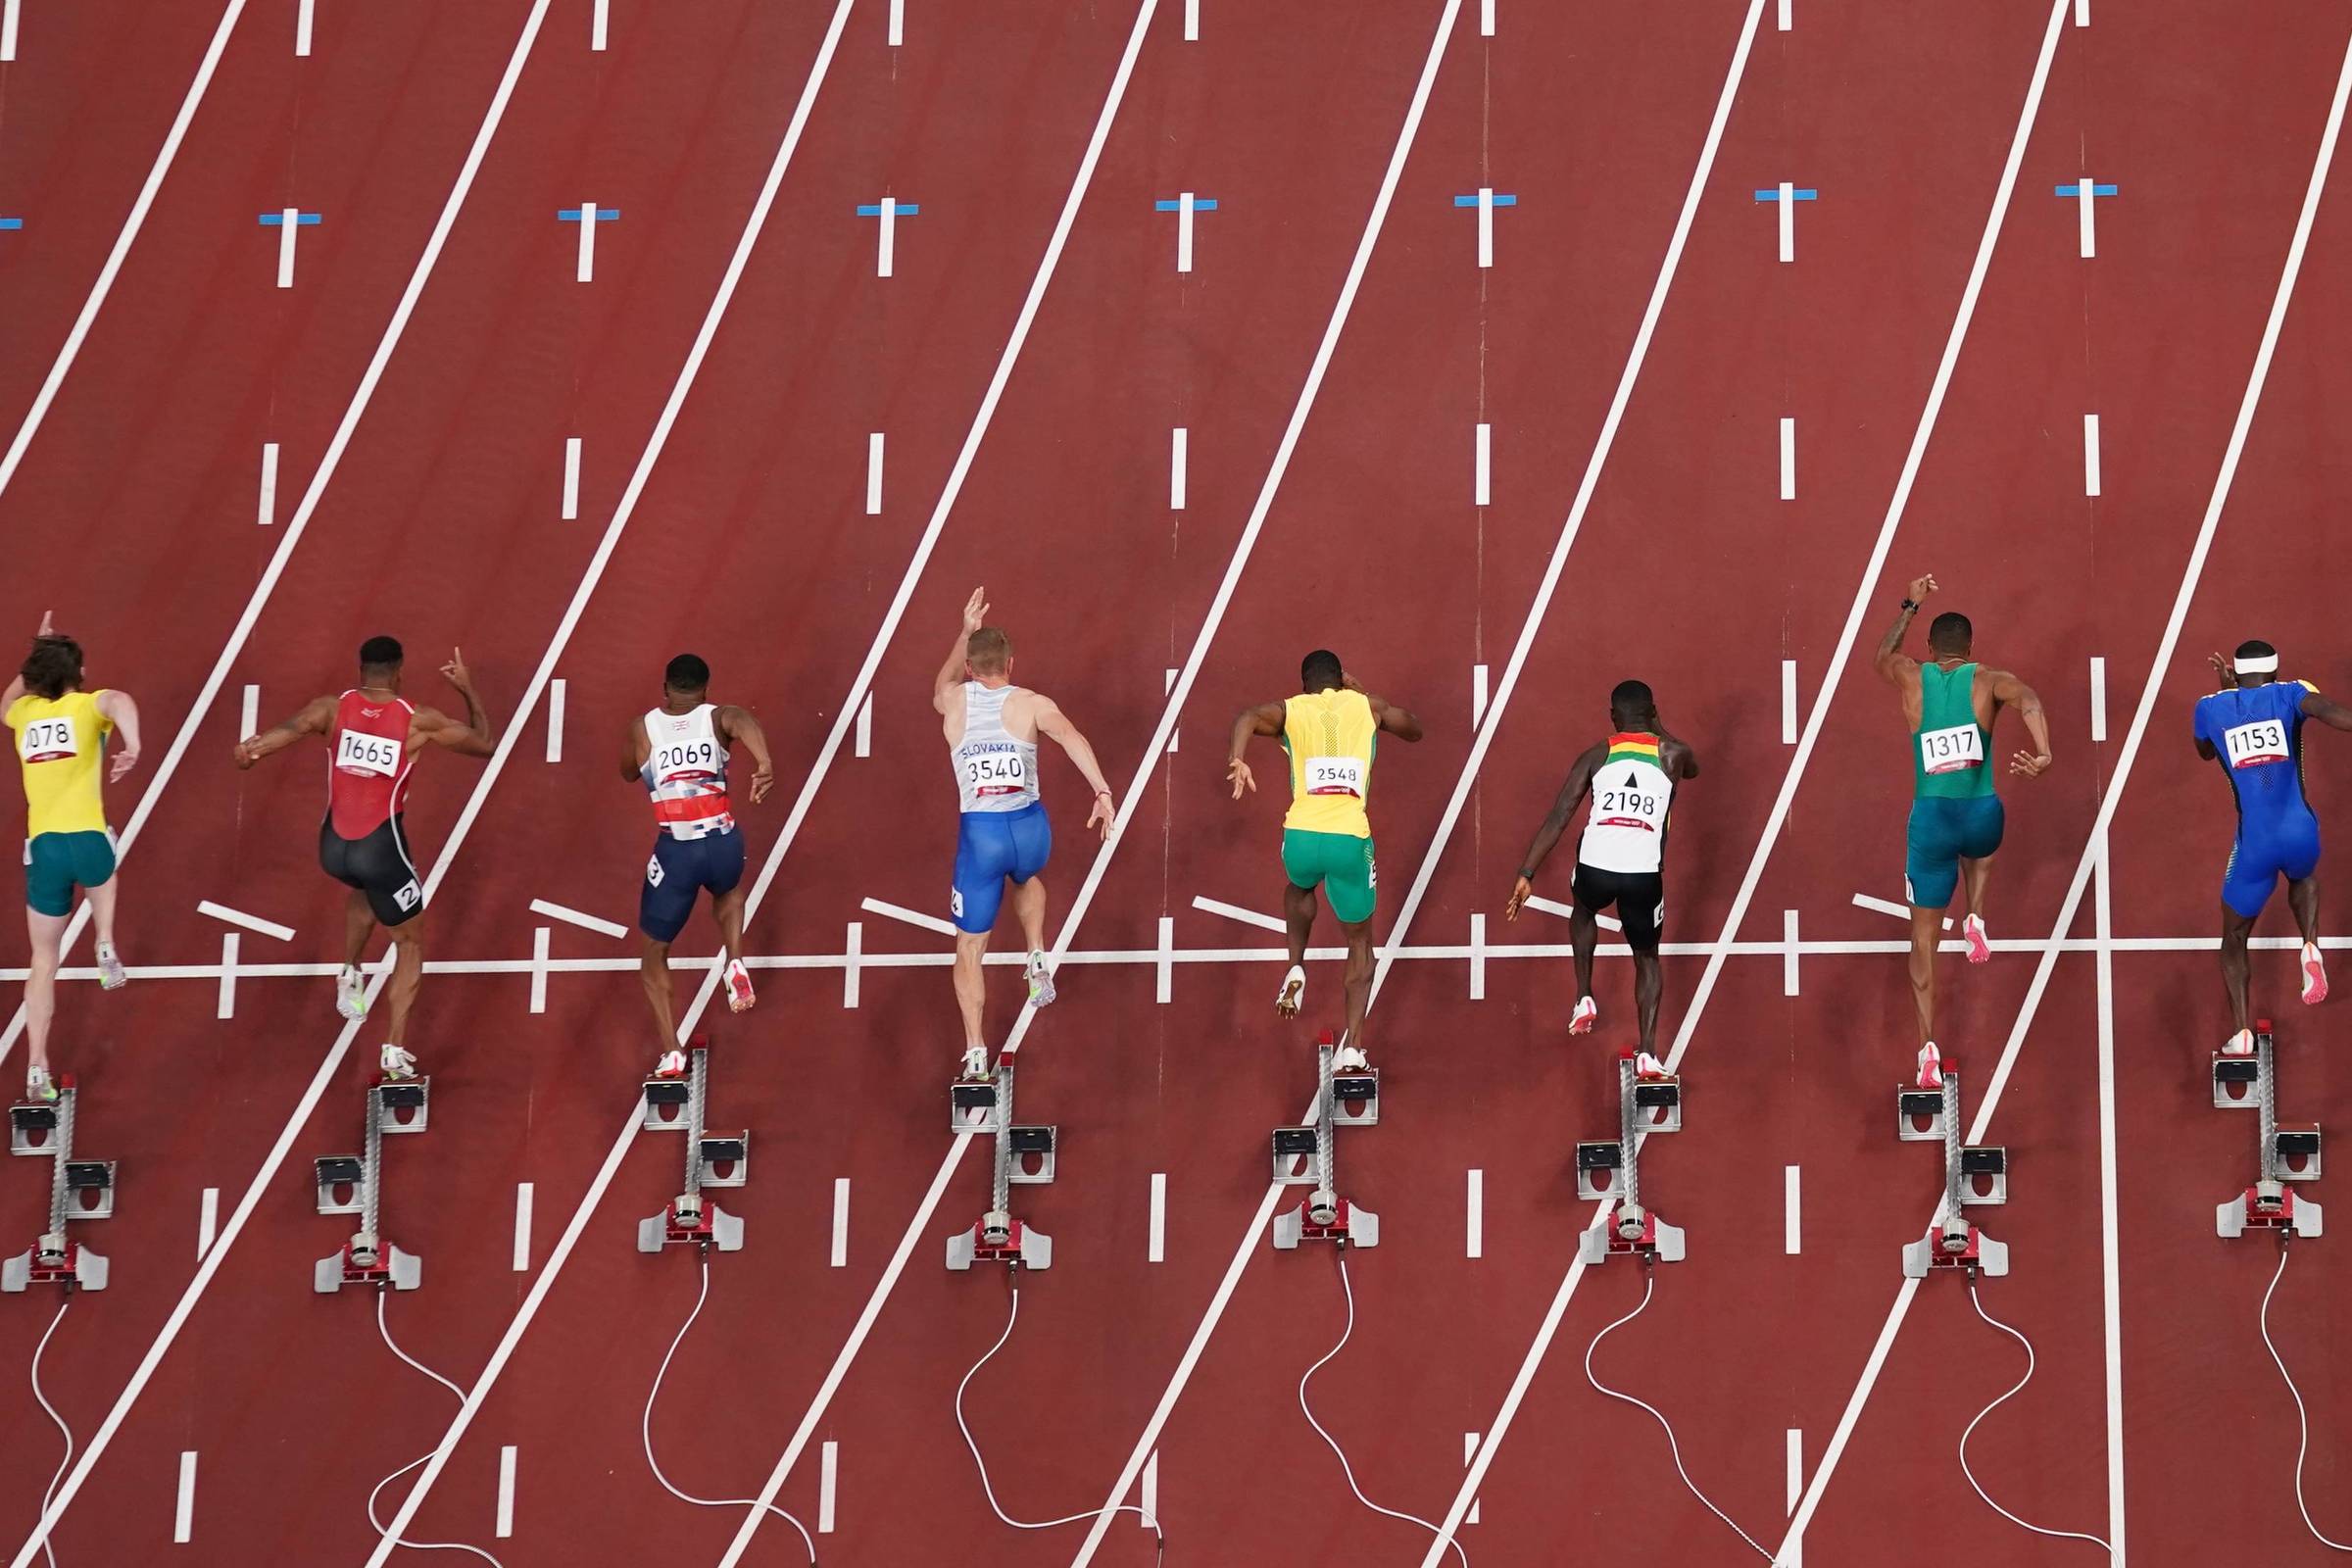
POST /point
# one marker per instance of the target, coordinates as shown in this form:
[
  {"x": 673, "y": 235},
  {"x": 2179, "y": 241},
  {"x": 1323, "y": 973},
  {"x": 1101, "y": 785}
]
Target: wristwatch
[{"x": 1910, "y": 604}]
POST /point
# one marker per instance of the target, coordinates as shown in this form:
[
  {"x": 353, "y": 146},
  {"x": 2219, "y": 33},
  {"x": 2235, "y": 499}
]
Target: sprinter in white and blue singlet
[
  {"x": 1950, "y": 704},
  {"x": 1002, "y": 835},
  {"x": 679, "y": 752}
]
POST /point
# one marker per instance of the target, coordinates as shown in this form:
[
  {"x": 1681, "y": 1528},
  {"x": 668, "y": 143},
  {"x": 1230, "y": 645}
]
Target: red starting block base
[
  {"x": 71, "y": 1265},
  {"x": 1012, "y": 1243},
  {"x": 696, "y": 1222},
  {"x": 1351, "y": 1225},
  {"x": 1983, "y": 1255},
  {"x": 380, "y": 1265}
]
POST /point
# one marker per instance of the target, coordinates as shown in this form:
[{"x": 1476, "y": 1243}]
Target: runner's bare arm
[
  {"x": 16, "y": 684},
  {"x": 2010, "y": 692},
  {"x": 1052, "y": 723},
  {"x": 2328, "y": 710},
  {"x": 1265, "y": 719},
  {"x": 633, "y": 750},
  {"x": 317, "y": 718},
  {"x": 1580, "y": 780},
  {"x": 1895, "y": 667},
  {"x": 478, "y": 736},
  {"x": 738, "y": 727},
  {"x": 124, "y": 714},
  {"x": 1681, "y": 760},
  {"x": 950, "y": 674},
  {"x": 1392, "y": 719}
]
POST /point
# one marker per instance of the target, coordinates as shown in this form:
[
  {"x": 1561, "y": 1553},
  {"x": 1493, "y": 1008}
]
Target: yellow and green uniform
[
  {"x": 1326, "y": 835},
  {"x": 61, "y": 744}
]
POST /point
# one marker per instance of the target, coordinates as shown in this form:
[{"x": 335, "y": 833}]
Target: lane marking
[
  {"x": 541, "y": 937},
  {"x": 1788, "y": 206},
  {"x": 1234, "y": 911},
  {"x": 1168, "y": 684},
  {"x": 8, "y": 29},
  {"x": 863, "y": 746},
  {"x": 1482, "y": 489},
  {"x": 208, "y": 1221},
  {"x": 2081, "y": 13},
  {"x": 571, "y": 478},
  {"x": 2085, "y": 201},
  {"x": 841, "y": 1222},
  {"x": 1184, "y": 230},
  {"x": 1478, "y": 957},
  {"x": 1793, "y": 1555},
  {"x": 1178, "y": 440},
  {"x": 600, "y": 26},
  {"x": 2090, "y": 454},
  {"x": 183, "y": 1511},
  {"x": 1157, "y": 1249},
  {"x": 1485, "y": 225},
  {"x": 586, "y": 922},
  {"x": 1788, "y": 702},
  {"x": 874, "y": 475},
  {"x": 1788, "y": 459},
  {"x": 1790, "y": 951},
  {"x": 1474, "y": 1243},
  {"x": 2111, "y": 1289},
  {"x": 1150, "y": 1498},
  {"x": 1164, "y": 980},
  {"x": 853, "y": 947},
  {"x": 289, "y": 224},
  {"x": 828, "y": 1478},
  {"x": 1792, "y": 1223},
  {"x": 897, "y": 22},
  {"x": 554, "y": 720},
  {"x": 1478, "y": 694},
  {"x": 2098, "y": 697},
  {"x": 266, "y": 510},
  {"x": 2167, "y": 647},
  {"x": 505, "y": 1491},
  {"x": 523, "y": 1227},
  {"x": 227, "y": 1006},
  {"x": 1486, "y": 19},
  {"x": 1192, "y": 21},
  {"x": 1469, "y": 1451},
  {"x": 1900, "y": 911},
  {"x": 251, "y": 922},
  {"x": 892, "y": 912},
  {"x": 249, "y": 722},
  {"x": 1783, "y": 20},
  {"x": 302, "y": 26}
]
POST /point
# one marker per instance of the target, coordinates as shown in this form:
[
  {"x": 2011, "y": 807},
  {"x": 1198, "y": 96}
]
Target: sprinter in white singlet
[{"x": 1002, "y": 835}]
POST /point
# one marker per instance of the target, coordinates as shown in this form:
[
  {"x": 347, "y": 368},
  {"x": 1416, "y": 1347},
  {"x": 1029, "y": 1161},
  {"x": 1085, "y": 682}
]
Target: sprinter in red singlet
[{"x": 376, "y": 734}]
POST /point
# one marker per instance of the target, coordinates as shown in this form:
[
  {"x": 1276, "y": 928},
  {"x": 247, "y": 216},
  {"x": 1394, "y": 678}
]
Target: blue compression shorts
[
  {"x": 2287, "y": 844},
  {"x": 1943, "y": 833},
  {"x": 991, "y": 846},
  {"x": 680, "y": 869}
]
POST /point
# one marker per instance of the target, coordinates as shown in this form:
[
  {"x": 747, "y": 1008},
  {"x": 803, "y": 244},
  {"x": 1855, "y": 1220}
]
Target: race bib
[
  {"x": 996, "y": 773},
  {"x": 1635, "y": 804},
  {"x": 357, "y": 752},
  {"x": 1335, "y": 775},
  {"x": 685, "y": 756},
  {"x": 1952, "y": 751},
  {"x": 2252, "y": 745},
  {"x": 48, "y": 740}
]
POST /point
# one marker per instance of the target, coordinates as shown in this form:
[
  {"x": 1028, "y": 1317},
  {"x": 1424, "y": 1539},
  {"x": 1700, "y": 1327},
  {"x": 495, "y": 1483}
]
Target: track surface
[{"x": 1329, "y": 355}]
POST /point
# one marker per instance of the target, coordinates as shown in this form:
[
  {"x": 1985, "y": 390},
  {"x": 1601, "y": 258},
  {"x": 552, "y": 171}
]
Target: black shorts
[
  {"x": 679, "y": 869},
  {"x": 378, "y": 866},
  {"x": 1640, "y": 898}
]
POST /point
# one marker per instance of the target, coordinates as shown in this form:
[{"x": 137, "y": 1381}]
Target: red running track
[{"x": 1026, "y": 391}]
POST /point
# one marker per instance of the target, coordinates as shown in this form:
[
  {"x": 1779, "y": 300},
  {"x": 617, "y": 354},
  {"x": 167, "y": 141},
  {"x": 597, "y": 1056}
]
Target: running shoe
[
  {"x": 1293, "y": 995},
  {"x": 1647, "y": 1065},
  {"x": 1931, "y": 1066},
  {"x": 2315, "y": 975},
  {"x": 1349, "y": 1058},
  {"x": 351, "y": 993},
  {"x": 1041, "y": 981},
  {"x": 40, "y": 1086},
  {"x": 739, "y": 986},
  {"x": 1979, "y": 950},
  {"x": 112, "y": 976},
  {"x": 1586, "y": 1015},
  {"x": 673, "y": 1064},
  {"x": 975, "y": 1062},
  {"x": 2241, "y": 1044},
  {"x": 396, "y": 1062}
]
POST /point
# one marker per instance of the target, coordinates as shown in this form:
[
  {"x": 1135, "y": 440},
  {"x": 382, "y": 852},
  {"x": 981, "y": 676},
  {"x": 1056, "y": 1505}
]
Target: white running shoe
[
  {"x": 2241, "y": 1044},
  {"x": 1931, "y": 1066},
  {"x": 112, "y": 976},
  {"x": 351, "y": 993},
  {"x": 1586, "y": 1015},
  {"x": 396, "y": 1062},
  {"x": 1980, "y": 949},
  {"x": 673, "y": 1064},
  {"x": 2315, "y": 975},
  {"x": 975, "y": 1062},
  {"x": 40, "y": 1086},
  {"x": 1349, "y": 1058},
  {"x": 739, "y": 986},
  {"x": 1041, "y": 981},
  {"x": 1647, "y": 1065},
  {"x": 1293, "y": 995}
]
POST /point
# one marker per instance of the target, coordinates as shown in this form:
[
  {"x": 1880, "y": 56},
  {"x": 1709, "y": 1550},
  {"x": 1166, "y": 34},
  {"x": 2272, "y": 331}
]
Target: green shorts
[
  {"x": 1341, "y": 863},
  {"x": 56, "y": 863}
]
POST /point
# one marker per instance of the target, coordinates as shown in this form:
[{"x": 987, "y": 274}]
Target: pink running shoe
[
  {"x": 2315, "y": 975},
  {"x": 739, "y": 986},
  {"x": 1931, "y": 1066},
  {"x": 1587, "y": 1014},
  {"x": 1979, "y": 950}
]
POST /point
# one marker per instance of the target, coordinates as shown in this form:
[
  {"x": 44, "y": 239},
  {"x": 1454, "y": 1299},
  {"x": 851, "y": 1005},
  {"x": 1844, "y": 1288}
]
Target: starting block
[
  {"x": 78, "y": 1189},
  {"x": 1303, "y": 1158},
  {"x": 713, "y": 1159},
  {"x": 353, "y": 1183},
  {"x": 1024, "y": 1156},
  {"x": 2284, "y": 1154},
  {"x": 1971, "y": 1176},
  {"x": 1610, "y": 1171}
]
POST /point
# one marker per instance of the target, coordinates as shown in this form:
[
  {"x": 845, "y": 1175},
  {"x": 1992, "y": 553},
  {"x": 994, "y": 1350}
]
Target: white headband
[{"x": 2267, "y": 664}]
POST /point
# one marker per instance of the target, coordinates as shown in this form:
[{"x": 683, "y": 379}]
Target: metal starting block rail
[
  {"x": 1970, "y": 1176},
  {"x": 1024, "y": 1156},
  {"x": 78, "y": 1189},
  {"x": 1646, "y": 1102},
  {"x": 1302, "y": 1156},
  {"x": 354, "y": 1184},
  {"x": 713, "y": 1159},
  {"x": 2284, "y": 1154}
]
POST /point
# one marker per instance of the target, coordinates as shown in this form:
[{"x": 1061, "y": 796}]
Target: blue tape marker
[
  {"x": 572, "y": 214},
  {"x": 1499, "y": 201},
  {"x": 1200, "y": 204},
  {"x": 12, "y": 223},
  {"x": 279, "y": 219},
  {"x": 874, "y": 208},
  {"x": 2075, "y": 190},
  {"x": 1774, "y": 195}
]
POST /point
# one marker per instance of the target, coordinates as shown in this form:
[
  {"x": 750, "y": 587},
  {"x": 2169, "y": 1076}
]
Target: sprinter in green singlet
[{"x": 1950, "y": 704}]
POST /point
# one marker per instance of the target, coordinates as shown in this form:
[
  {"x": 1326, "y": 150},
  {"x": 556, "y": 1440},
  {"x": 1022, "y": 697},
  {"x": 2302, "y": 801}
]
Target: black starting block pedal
[
  {"x": 1295, "y": 1151},
  {"x": 972, "y": 1106},
  {"x": 78, "y": 1189},
  {"x": 30, "y": 1127}
]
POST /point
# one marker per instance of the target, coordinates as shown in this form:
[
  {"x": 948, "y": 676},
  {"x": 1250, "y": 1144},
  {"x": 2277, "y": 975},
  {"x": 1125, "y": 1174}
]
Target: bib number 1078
[
  {"x": 2252, "y": 745},
  {"x": 48, "y": 740},
  {"x": 356, "y": 752},
  {"x": 1952, "y": 751}
]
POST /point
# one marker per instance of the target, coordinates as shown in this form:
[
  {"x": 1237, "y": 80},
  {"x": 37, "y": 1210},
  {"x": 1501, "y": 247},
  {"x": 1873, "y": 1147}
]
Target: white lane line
[
  {"x": 2081, "y": 13},
  {"x": 1888, "y": 907},
  {"x": 1157, "y": 1249},
  {"x": 1164, "y": 979},
  {"x": 1552, "y": 906},
  {"x": 1787, "y": 212},
  {"x": 2090, "y": 454},
  {"x": 541, "y": 938},
  {"x": 1486, "y": 19},
  {"x": 585, "y": 270},
  {"x": 1179, "y": 438},
  {"x": 1788, "y": 459},
  {"x": 208, "y": 1221},
  {"x": 1478, "y": 957},
  {"x": 1474, "y": 1235},
  {"x": 2098, "y": 697},
  {"x": 828, "y": 1478},
  {"x": 303, "y": 19},
  {"x": 586, "y": 922},
  {"x": 2110, "y": 1288},
  {"x": 571, "y": 478},
  {"x": 1790, "y": 949},
  {"x": 897, "y": 22},
  {"x": 251, "y": 922},
  {"x": 1485, "y": 225},
  {"x": 1478, "y": 694},
  {"x": 864, "y": 745},
  {"x": 123, "y": 238},
  {"x": 523, "y": 1227},
  {"x": 600, "y": 26},
  {"x": 1783, "y": 20},
  {"x": 1184, "y": 231},
  {"x": 1482, "y": 484},
  {"x": 249, "y": 722},
  {"x": 183, "y": 1511},
  {"x": 1150, "y": 1499},
  {"x": 8, "y": 30},
  {"x": 554, "y": 720},
  {"x": 840, "y": 1258},
  {"x": 1794, "y": 1556},
  {"x": 226, "y": 1007},
  {"x": 853, "y": 959},
  {"x": 1788, "y": 702},
  {"x": 2167, "y": 647},
  {"x": 265, "y": 510},
  {"x": 505, "y": 1491},
  {"x": 289, "y": 224},
  {"x": 894, "y": 911},
  {"x": 1234, "y": 911},
  {"x": 1168, "y": 684},
  {"x": 1470, "y": 1451},
  {"x": 874, "y": 475},
  {"x": 1792, "y": 1234},
  {"x": 1192, "y": 21},
  {"x": 2086, "y": 202}
]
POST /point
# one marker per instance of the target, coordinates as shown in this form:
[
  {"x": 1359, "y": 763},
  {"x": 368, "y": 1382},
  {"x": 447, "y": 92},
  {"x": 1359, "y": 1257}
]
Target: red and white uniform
[
  {"x": 685, "y": 771},
  {"x": 367, "y": 776}
]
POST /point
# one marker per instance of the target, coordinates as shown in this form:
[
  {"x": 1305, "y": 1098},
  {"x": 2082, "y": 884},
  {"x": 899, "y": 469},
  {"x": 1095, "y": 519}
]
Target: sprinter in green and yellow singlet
[{"x": 1330, "y": 731}]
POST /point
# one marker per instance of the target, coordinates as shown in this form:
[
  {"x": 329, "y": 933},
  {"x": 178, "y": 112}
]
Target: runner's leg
[
  {"x": 1360, "y": 979},
  {"x": 1029, "y": 908},
  {"x": 2304, "y": 899},
  {"x": 358, "y": 924},
  {"x": 40, "y": 983},
  {"x": 1649, "y": 983},
  {"x": 653, "y": 973},
  {"x": 408, "y": 973},
  {"x": 970, "y": 990},
  {"x": 2235, "y": 928},
  {"x": 1927, "y": 927},
  {"x": 102, "y": 909},
  {"x": 1973, "y": 876},
  {"x": 1584, "y": 936},
  {"x": 727, "y": 910}
]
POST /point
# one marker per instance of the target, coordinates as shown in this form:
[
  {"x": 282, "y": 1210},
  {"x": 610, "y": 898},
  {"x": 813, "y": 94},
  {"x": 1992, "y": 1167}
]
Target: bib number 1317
[{"x": 1953, "y": 750}]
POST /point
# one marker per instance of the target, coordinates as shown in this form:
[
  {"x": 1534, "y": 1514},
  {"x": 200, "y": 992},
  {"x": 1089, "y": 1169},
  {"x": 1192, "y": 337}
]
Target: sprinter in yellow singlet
[
  {"x": 1330, "y": 731},
  {"x": 61, "y": 733}
]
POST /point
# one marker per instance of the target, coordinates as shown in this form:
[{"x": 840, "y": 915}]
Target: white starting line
[
  {"x": 251, "y": 922},
  {"x": 1863, "y": 901},
  {"x": 586, "y": 922},
  {"x": 1234, "y": 911}
]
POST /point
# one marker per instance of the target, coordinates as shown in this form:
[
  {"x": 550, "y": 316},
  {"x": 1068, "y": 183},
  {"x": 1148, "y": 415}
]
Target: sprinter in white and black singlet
[
  {"x": 679, "y": 752},
  {"x": 373, "y": 735},
  {"x": 1620, "y": 859}
]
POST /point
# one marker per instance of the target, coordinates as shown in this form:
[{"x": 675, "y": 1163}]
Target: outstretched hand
[
  {"x": 1520, "y": 894},
  {"x": 124, "y": 760},
  {"x": 2223, "y": 668},
  {"x": 249, "y": 751},
  {"x": 1104, "y": 814},
  {"x": 763, "y": 779},
  {"x": 48, "y": 624},
  {"x": 1236, "y": 773},
  {"x": 456, "y": 672},
  {"x": 2029, "y": 764},
  {"x": 1921, "y": 586},
  {"x": 975, "y": 611}
]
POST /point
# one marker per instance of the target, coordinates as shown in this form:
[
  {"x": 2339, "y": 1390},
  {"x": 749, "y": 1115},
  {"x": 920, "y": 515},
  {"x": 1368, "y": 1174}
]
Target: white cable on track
[
  {"x": 2302, "y": 1416},
  {"x": 2056, "y": 1535},
  {"x": 377, "y": 1491},
  {"x": 1345, "y": 1468},
  {"x": 645, "y": 1430},
  {"x": 1648, "y": 1282},
  {"x": 50, "y": 1491}
]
